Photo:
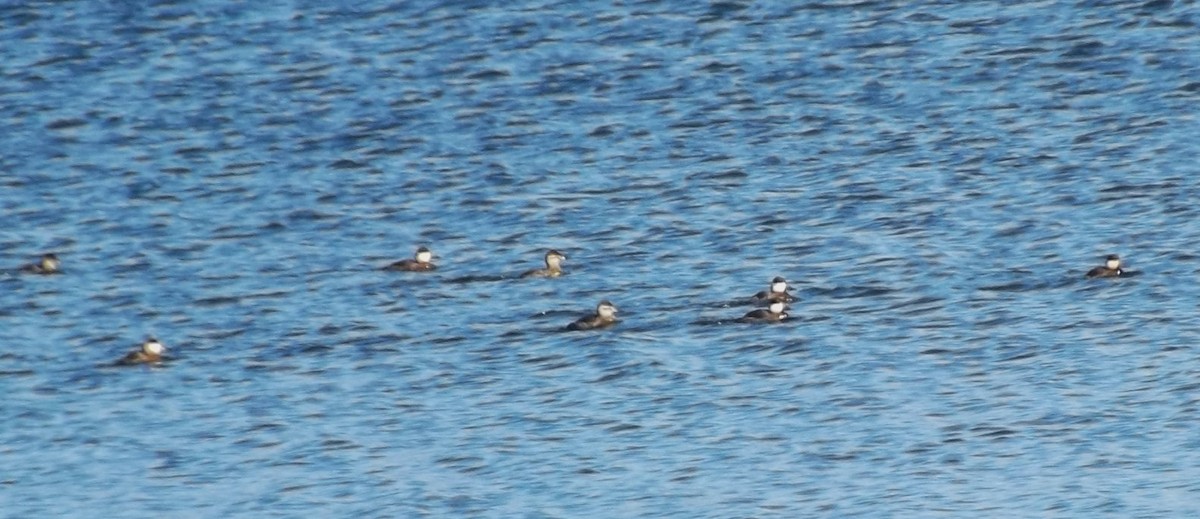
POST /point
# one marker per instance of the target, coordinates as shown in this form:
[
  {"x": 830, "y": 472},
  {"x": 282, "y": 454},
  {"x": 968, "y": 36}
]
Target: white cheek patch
[
  {"x": 154, "y": 348},
  {"x": 424, "y": 257},
  {"x": 1113, "y": 264},
  {"x": 779, "y": 287}
]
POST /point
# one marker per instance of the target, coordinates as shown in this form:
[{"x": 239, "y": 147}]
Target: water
[{"x": 934, "y": 179}]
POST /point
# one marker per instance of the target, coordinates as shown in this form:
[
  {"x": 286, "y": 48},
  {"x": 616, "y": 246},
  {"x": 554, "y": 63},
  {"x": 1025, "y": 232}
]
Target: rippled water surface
[{"x": 933, "y": 178}]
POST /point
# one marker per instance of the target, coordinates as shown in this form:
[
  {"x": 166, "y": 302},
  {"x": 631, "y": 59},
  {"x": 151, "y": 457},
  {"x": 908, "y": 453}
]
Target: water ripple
[{"x": 933, "y": 180}]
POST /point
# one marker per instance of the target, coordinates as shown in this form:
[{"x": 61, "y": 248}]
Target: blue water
[{"x": 934, "y": 178}]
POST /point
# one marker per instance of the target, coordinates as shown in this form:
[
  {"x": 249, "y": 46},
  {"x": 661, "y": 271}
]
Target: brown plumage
[
  {"x": 604, "y": 317},
  {"x": 421, "y": 261}
]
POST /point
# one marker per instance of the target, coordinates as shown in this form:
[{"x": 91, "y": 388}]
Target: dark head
[
  {"x": 779, "y": 285},
  {"x": 778, "y": 307},
  {"x": 554, "y": 258},
  {"x": 606, "y": 309},
  {"x": 49, "y": 262},
  {"x": 423, "y": 255},
  {"x": 153, "y": 347}
]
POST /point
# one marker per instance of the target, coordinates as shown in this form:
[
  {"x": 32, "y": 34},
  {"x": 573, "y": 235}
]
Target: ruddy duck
[
  {"x": 605, "y": 316},
  {"x": 47, "y": 265},
  {"x": 150, "y": 353},
  {"x": 422, "y": 261},
  {"x": 772, "y": 314},
  {"x": 777, "y": 292},
  {"x": 553, "y": 266},
  {"x": 1110, "y": 269}
]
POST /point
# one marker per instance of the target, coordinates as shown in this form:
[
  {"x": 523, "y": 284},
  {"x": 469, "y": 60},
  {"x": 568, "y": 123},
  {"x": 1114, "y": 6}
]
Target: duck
[
  {"x": 151, "y": 352},
  {"x": 49, "y": 264},
  {"x": 1110, "y": 269},
  {"x": 778, "y": 291},
  {"x": 605, "y": 316},
  {"x": 553, "y": 266},
  {"x": 421, "y": 261},
  {"x": 772, "y": 314}
]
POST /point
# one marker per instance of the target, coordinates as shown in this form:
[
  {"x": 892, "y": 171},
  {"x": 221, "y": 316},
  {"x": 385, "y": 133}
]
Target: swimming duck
[
  {"x": 778, "y": 291},
  {"x": 47, "y": 265},
  {"x": 150, "y": 352},
  {"x": 553, "y": 266},
  {"x": 1110, "y": 269},
  {"x": 422, "y": 260},
  {"x": 771, "y": 314},
  {"x": 604, "y": 317}
]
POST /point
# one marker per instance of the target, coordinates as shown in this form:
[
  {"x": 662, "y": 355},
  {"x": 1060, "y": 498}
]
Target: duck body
[
  {"x": 553, "y": 266},
  {"x": 1102, "y": 272},
  {"x": 773, "y": 314},
  {"x": 49, "y": 264},
  {"x": 421, "y": 261},
  {"x": 768, "y": 297},
  {"x": 151, "y": 352},
  {"x": 409, "y": 265},
  {"x": 776, "y": 293},
  {"x": 1110, "y": 269},
  {"x": 604, "y": 317}
]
